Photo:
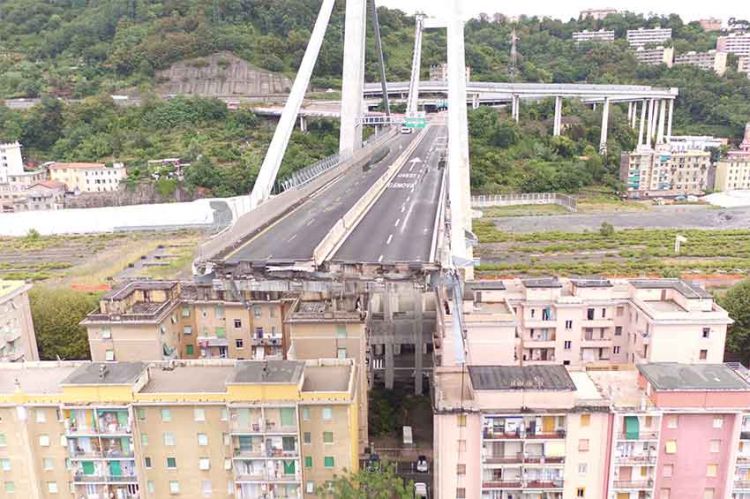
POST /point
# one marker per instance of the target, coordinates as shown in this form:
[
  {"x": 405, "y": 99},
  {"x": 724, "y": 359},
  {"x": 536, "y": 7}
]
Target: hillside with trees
[{"x": 86, "y": 49}]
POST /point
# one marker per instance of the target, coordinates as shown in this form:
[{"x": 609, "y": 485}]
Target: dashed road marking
[{"x": 390, "y": 237}]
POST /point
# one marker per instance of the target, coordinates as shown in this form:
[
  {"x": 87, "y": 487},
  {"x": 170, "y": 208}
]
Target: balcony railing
[
  {"x": 743, "y": 459},
  {"x": 642, "y": 435},
  {"x": 741, "y": 485},
  {"x": 544, "y": 484},
  {"x": 105, "y": 478},
  {"x": 633, "y": 484},
  {"x": 490, "y": 435},
  {"x": 636, "y": 459},
  {"x": 498, "y": 484},
  {"x": 98, "y": 454},
  {"x": 266, "y": 341}
]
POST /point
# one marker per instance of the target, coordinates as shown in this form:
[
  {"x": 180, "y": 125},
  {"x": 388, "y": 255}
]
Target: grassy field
[
  {"x": 91, "y": 261},
  {"x": 523, "y": 210},
  {"x": 625, "y": 252}
]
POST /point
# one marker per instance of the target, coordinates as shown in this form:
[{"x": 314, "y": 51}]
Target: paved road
[
  {"x": 680, "y": 217},
  {"x": 294, "y": 237},
  {"x": 399, "y": 226}
]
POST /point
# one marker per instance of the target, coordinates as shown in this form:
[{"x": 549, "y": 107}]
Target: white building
[
  {"x": 648, "y": 36},
  {"x": 710, "y": 61},
  {"x": 597, "y": 14},
  {"x": 88, "y": 177},
  {"x": 734, "y": 43},
  {"x": 681, "y": 143},
  {"x": 594, "y": 36},
  {"x": 733, "y": 172},
  {"x": 11, "y": 162}
]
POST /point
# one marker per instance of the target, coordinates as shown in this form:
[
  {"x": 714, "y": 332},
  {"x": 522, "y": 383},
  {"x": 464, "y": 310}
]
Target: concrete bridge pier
[
  {"x": 669, "y": 120},
  {"x": 418, "y": 342},
  {"x": 660, "y": 126},
  {"x": 643, "y": 123},
  {"x": 303, "y": 124},
  {"x": 557, "y": 126},
  {"x": 514, "y": 108},
  {"x": 605, "y": 125}
]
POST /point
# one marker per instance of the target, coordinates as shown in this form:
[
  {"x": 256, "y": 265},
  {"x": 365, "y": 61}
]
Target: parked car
[
  {"x": 406, "y": 129},
  {"x": 420, "y": 489},
  {"x": 422, "y": 465}
]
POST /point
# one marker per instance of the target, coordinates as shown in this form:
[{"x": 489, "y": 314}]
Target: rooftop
[
  {"x": 592, "y": 283},
  {"x": 188, "y": 378},
  {"x": 105, "y": 373},
  {"x": 700, "y": 377},
  {"x": 76, "y": 166},
  {"x": 664, "y": 306},
  {"x": 11, "y": 287},
  {"x": 125, "y": 291},
  {"x": 495, "y": 285},
  {"x": 541, "y": 378},
  {"x": 543, "y": 282},
  {"x": 34, "y": 377},
  {"x": 620, "y": 387},
  {"x": 270, "y": 371},
  {"x": 686, "y": 288},
  {"x": 327, "y": 378}
]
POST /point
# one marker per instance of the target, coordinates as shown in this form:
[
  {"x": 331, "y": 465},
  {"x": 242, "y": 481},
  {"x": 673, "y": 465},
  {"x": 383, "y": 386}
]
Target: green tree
[
  {"x": 366, "y": 484},
  {"x": 56, "y": 313},
  {"x": 737, "y": 302}
]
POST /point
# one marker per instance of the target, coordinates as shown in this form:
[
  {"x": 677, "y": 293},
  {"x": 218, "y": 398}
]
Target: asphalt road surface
[
  {"x": 658, "y": 217},
  {"x": 399, "y": 226},
  {"x": 294, "y": 237}
]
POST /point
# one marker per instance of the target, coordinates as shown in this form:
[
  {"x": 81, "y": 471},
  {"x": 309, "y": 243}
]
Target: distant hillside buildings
[
  {"x": 594, "y": 36},
  {"x": 648, "y": 36},
  {"x": 710, "y": 61},
  {"x": 596, "y": 14},
  {"x": 733, "y": 172},
  {"x": 88, "y": 177}
]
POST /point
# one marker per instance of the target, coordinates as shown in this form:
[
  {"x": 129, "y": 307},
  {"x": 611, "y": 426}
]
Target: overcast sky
[{"x": 687, "y": 9}]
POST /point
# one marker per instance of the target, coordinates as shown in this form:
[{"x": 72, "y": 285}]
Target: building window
[
  {"x": 186, "y": 311},
  {"x": 706, "y": 332},
  {"x": 305, "y": 414},
  {"x": 670, "y": 447},
  {"x": 567, "y": 344},
  {"x": 147, "y": 462},
  {"x": 340, "y": 331},
  {"x": 219, "y": 311},
  {"x": 199, "y": 414},
  {"x": 109, "y": 355},
  {"x": 583, "y": 468},
  {"x": 41, "y": 416},
  {"x": 580, "y": 492},
  {"x": 166, "y": 415},
  {"x": 461, "y": 420},
  {"x": 672, "y": 421},
  {"x": 52, "y": 487},
  {"x": 204, "y": 464},
  {"x": 171, "y": 463},
  {"x": 150, "y": 487},
  {"x": 44, "y": 440},
  {"x": 189, "y": 350},
  {"x": 583, "y": 445},
  {"x": 187, "y": 330},
  {"x": 714, "y": 446},
  {"x": 202, "y": 439},
  {"x": 568, "y": 324},
  {"x": 703, "y": 355},
  {"x": 615, "y": 350},
  {"x": 327, "y": 437},
  {"x": 10, "y": 487},
  {"x": 141, "y": 413},
  {"x": 460, "y": 469},
  {"x": 460, "y": 493},
  {"x": 590, "y": 314},
  {"x": 718, "y": 421},
  {"x": 308, "y": 462},
  {"x": 206, "y": 488},
  {"x": 327, "y": 413},
  {"x": 256, "y": 311},
  {"x": 585, "y": 420},
  {"x": 174, "y": 487},
  {"x": 618, "y": 330},
  {"x": 47, "y": 464},
  {"x": 310, "y": 487},
  {"x": 237, "y": 323},
  {"x": 341, "y": 353},
  {"x": 711, "y": 470},
  {"x": 169, "y": 439},
  {"x": 307, "y": 437},
  {"x": 220, "y": 332},
  {"x": 328, "y": 462},
  {"x": 239, "y": 343},
  {"x": 5, "y": 464}
]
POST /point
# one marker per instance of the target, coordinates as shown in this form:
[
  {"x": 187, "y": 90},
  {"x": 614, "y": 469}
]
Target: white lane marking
[
  {"x": 309, "y": 222},
  {"x": 403, "y": 208},
  {"x": 292, "y": 238},
  {"x": 397, "y": 221},
  {"x": 390, "y": 237},
  {"x": 380, "y": 258},
  {"x": 406, "y": 219}
]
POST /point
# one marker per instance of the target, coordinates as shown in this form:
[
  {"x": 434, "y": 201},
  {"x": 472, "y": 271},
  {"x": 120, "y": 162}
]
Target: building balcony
[
  {"x": 593, "y": 342},
  {"x": 744, "y": 434},
  {"x": 266, "y": 341},
  {"x": 212, "y": 341},
  {"x": 541, "y": 323},
  {"x": 645, "y": 459},
  {"x": 110, "y": 455},
  {"x": 633, "y": 484},
  {"x": 79, "y": 478},
  {"x": 490, "y": 435},
  {"x": 642, "y": 435},
  {"x": 544, "y": 484},
  {"x": 743, "y": 459},
  {"x": 598, "y": 322},
  {"x": 502, "y": 484},
  {"x": 111, "y": 430},
  {"x": 742, "y": 485}
]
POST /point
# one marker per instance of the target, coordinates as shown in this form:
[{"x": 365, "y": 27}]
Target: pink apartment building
[{"x": 581, "y": 322}]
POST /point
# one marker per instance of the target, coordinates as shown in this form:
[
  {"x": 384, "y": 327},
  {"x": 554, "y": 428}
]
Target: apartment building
[
  {"x": 11, "y": 161},
  {"x": 245, "y": 429},
  {"x": 648, "y": 36},
  {"x": 682, "y": 143},
  {"x": 17, "y": 340},
  {"x": 439, "y": 72},
  {"x": 665, "y": 172},
  {"x": 593, "y": 36},
  {"x": 596, "y": 14},
  {"x": 655, "y": 56},
  {"x": 88, "y": 177},
  {"x": 155, "y": 320},
  {"x": 734, "y": 43},
  {"x": 743, "y": 65},
  {"x": 519, "y": 432},
  {"x": 733, "y": 172},
  {"x": 710, "y": 24},
  {"x": 710, "y": 61},
  {"x": 582, "y": 322}
]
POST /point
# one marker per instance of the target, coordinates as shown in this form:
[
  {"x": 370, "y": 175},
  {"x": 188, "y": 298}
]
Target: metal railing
[
  {"x": 305, "y": 175},
  {"x": 484, "y": 201}
]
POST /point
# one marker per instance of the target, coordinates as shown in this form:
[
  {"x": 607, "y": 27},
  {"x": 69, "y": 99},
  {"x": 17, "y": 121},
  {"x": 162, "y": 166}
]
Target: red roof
[{"x": 50, "y": 184}]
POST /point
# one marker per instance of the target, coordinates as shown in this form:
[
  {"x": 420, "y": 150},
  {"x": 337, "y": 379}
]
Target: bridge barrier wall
[
  {"x": 567, "y": 202},
  {"x": 353, "y": 216},
  {"x": 252, "y": 222}
]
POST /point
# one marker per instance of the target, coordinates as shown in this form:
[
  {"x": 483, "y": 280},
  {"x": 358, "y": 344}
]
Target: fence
[{"x": 567, "y": 202}]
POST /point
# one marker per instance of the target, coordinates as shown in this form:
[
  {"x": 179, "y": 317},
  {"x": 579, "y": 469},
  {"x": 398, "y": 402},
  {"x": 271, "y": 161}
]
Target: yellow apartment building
[{"x": 218, "y": 428}]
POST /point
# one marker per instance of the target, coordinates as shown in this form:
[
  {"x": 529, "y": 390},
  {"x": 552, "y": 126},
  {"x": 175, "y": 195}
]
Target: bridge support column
[
  {"x": 515, "y": 108},
  {"x": 353, "y": 78},
  {"x": 389, "y": 337},
  {"x": 634, "y": 115},
  {"x": 649, "y": 133},
  {"x": 556, "y": 127},
  {"x": 475, "y": 101},
  {"x": 654, "y": 121},
  {"x": 459, "y": 192},
  {"x": 302, "y": 124},
  {"x": 605, "y": 125},
  {"x": 418, "y": 343},
  {"x": 660, "y": 126},
  {"x": 271, "y": 163},
  {"x": 630, "y": 111},
  {"x": 669, "y": 120},
  {"x": 643, "y": 123}
]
